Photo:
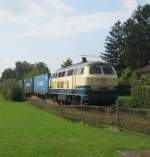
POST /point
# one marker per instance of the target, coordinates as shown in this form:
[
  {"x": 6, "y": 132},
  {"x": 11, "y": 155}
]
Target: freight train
[{"x": 88, "y": 82}]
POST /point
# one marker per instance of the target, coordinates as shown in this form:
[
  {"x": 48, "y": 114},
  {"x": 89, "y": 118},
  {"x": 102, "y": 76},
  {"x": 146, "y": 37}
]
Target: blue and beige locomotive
[{"x": 93, "y": 83}]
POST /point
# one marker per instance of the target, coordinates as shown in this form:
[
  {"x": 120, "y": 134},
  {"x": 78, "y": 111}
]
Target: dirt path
[{"x": 134, "y": 153}]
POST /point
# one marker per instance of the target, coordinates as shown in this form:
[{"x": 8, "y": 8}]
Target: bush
[
  {"x": 141, "y": 95},
  {"x": 141, "y": 91},
  {"x": 124, "y": 87},
  {"x": 17, "y": 93},
  {"x": 125, "y": 101},
  {"x": 126, "y": 74},
  {"x": 6, "y": 88},
  {"x": 11, "y": 90},
  {"x": 145, "y": 80},
  {"x": 124, "y": 82}
]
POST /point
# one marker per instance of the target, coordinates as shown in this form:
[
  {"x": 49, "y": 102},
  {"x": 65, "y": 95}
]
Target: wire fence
[{"x": 137, "y": 120}]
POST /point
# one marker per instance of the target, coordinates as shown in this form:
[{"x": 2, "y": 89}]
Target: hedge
[
  {"x": 141, "y": 95},
  {"x": 11, "y": 90}
]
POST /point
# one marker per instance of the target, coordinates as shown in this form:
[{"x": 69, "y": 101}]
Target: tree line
[
  {"x": 24, "y": 70},
  {"x": 10, "y": 87},
  {"x": 128, "y": 44}
]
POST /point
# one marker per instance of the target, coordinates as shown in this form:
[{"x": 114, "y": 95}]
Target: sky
[{"x": 53, "y": 30}]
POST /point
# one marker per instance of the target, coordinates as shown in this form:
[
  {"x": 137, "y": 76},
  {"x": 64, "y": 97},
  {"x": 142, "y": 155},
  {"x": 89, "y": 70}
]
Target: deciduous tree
[{"x": 66, "y": 63}]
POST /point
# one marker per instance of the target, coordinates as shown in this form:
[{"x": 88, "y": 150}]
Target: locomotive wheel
[
  {"x": 77, "y": 100},
  {"x": 68, "y": 100}
]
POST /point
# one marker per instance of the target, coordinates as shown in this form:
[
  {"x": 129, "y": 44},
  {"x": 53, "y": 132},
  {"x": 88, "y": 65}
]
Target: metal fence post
[{"x": 117, "y": 113}]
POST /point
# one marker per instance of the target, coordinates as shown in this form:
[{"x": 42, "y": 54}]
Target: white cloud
[
  {"x": 130, "y": 5},
  {"x": 6, "y": 63},
  {"x": 146, "y": 1},
  {"x": 27, "y": 10},
  {"x": 75, "y": 24},
  {"x": 56, "y": 18}
]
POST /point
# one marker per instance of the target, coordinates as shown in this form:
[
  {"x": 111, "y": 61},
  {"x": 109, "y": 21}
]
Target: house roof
[{"x": 144, "y": 70}]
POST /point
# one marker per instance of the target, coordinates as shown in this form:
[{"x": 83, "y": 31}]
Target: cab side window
[
  {"x": 63, "y": 74},
  {"x": 75, "y": 71},
  {"x": 59, "y": 75},
  {"x": 70, "y": 73},
  {"x": 80, "y": 71}
]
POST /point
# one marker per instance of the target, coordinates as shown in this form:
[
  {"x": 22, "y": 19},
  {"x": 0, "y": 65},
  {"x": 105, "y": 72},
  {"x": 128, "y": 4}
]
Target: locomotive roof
[{"x": 83, "y": 64}]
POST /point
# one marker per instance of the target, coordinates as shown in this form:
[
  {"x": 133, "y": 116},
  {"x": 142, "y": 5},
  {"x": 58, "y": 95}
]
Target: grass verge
[{"x": 26, "y": 131}]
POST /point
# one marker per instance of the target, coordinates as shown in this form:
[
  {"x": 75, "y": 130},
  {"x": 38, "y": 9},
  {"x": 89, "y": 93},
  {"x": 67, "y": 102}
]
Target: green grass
[
  {"x": 26, "y": 131},
  {"x": 125, "y": 101}
]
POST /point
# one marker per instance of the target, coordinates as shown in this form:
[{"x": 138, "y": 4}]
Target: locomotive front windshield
[
  {"x": 107, "y": 70},
  {"x": 95, "y": 70}
]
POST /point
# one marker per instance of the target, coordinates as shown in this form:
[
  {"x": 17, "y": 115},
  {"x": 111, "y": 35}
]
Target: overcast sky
[{"x": 52, "y": 30}]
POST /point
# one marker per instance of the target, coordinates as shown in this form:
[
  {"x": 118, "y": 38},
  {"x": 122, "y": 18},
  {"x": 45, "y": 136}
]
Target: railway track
[
  {"x": 82, "y": 107},
  {"x": 91, "y": 108}
]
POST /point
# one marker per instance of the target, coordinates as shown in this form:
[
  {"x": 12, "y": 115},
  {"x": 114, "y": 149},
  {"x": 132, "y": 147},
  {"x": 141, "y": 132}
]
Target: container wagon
[
  {"x": 41, "y": 84},
  {"x": 28, "y": 86}
]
